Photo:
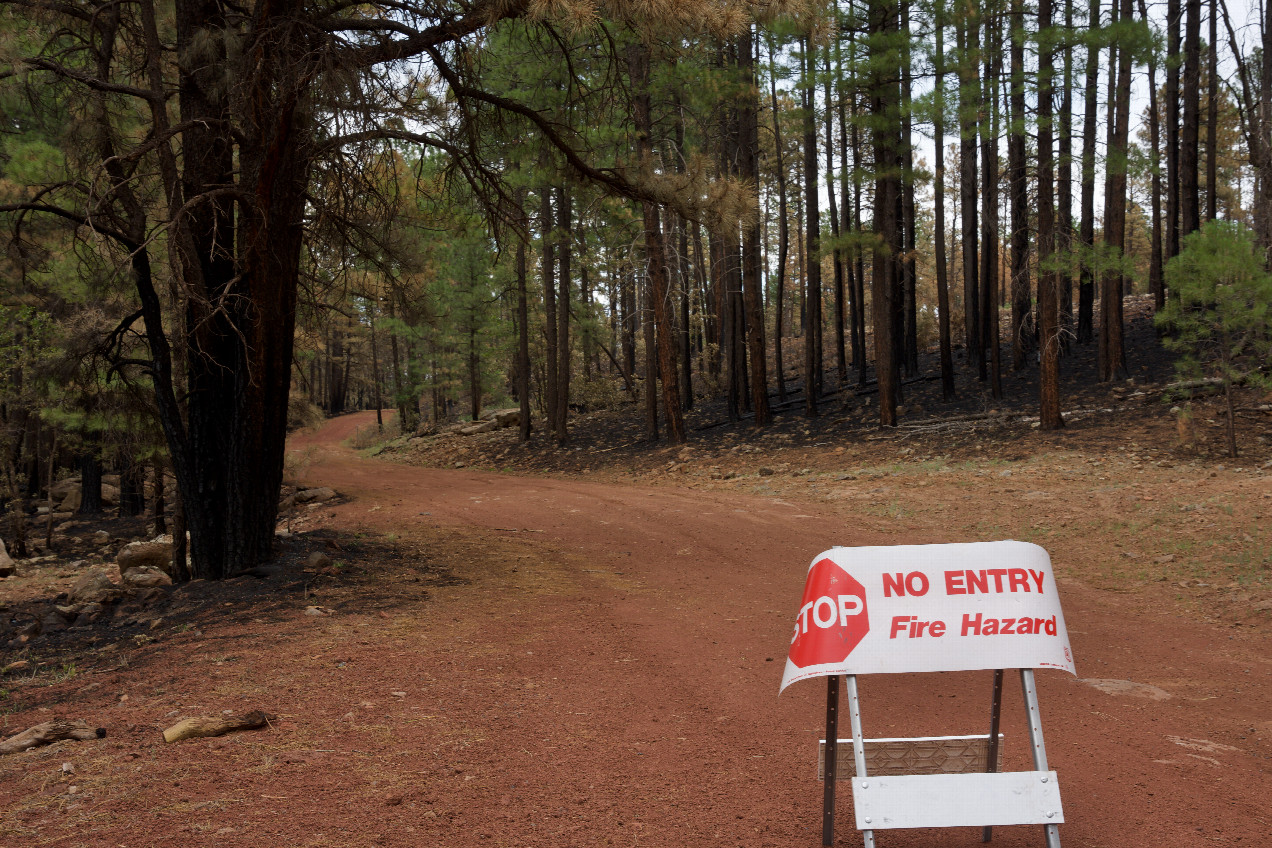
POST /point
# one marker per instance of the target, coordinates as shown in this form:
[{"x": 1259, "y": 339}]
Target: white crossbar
[{"x": 957, "y": 800}]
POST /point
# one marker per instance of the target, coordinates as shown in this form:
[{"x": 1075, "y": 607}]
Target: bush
[{"x": 1219, "y": 314}]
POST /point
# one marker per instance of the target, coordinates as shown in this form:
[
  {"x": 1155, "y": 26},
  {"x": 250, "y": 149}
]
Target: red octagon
[{"x": 832, "y": 618}]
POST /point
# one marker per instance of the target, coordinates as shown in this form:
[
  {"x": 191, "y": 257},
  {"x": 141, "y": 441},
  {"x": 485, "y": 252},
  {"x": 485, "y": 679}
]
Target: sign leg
[
  {"x": 1039, "y": 749},
  {"x": 832, "y": 750},
  {"x": 858, "y": 743},
  {"x": 995, "y": 716}
]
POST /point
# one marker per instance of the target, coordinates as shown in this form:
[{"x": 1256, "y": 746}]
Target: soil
[{"x": 551, "y": 646}]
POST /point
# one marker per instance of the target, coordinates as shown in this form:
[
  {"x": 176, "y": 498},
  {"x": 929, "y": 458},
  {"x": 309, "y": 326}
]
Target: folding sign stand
[
  {"x": 933, "y": 608},
  {"x": 947, "y": 781}
]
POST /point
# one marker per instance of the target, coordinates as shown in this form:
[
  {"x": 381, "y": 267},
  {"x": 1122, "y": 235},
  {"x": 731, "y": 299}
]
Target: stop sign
[{"x": 832, "y": 617}]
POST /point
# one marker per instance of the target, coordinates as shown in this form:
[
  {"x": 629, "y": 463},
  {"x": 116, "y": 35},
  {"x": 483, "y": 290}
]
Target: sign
[{"x": 912, "y": 608}]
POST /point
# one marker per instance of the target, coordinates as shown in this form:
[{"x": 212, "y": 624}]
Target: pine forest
[{"x": 222, "y": 219}]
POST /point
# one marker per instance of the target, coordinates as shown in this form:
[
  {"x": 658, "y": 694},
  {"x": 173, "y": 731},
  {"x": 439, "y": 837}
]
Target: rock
[
  {"x": 153, "y": 555},
  {"x": 16, "y": 667},
  {"x": 95, "y": 588},
  {"x": 504, "y": 417},
  {"x": 319, "y": 611},
  {"x": 318, "y": 495},
  {"x": 63, "y": 488},
  {"x": 7, "y": 566},
  {"x": 110, "y": 495},
  {"x": 766, "y": 472},
  {"x": 145, "y": 577},
  {"x": 101, "y": 537},
  {"x": 53, "y": 621},
  {"x": 71, "y": 502},
  {"x": 317, "y": 561},
  {"x": 479, "y": 427}
]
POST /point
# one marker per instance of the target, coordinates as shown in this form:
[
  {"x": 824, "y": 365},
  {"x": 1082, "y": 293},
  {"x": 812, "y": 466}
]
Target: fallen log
[
  {"x": 48, "y": 732},
  {"x": 194, "y": 728}
]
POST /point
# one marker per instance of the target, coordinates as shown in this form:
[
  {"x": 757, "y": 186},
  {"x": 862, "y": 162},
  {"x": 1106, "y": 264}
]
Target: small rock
[
  {"x": 318, "y": 611},
  {"x": 1162, "y": 560},
  {"x": 145, "y": 577},
  {"x": 68, "y": 768},
  {"x": 766, "y": 472},
  {"x": 101, "y": 537},
  {"x": 318, "y": 561},
  {"x": 318, "y": 495},
  {"x": 7, "y": 566},
  {"x": 95, "y": 588},
  {"x": 16, "y": 667},
  {"x": 156, "y": 556}
]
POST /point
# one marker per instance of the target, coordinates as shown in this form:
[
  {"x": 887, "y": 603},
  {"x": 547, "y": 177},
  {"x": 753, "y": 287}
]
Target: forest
[{"x": 221, "y": 219}]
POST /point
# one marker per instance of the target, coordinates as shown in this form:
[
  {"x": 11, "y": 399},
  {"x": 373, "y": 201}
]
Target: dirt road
[
  {"x": 638, "y": 649},
  {"x": 604, "y": 670}
]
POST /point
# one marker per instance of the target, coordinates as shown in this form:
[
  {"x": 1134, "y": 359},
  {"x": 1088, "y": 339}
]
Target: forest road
[{"x": 610, "y": 670}]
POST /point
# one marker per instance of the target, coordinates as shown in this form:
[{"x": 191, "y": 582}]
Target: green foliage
[{"x": 1220, "y": 313}]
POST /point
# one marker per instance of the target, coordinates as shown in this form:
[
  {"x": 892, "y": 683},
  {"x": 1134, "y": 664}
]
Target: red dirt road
[
  {"x": 630, "y": 692},
  {"x": 607, "y": 673}
]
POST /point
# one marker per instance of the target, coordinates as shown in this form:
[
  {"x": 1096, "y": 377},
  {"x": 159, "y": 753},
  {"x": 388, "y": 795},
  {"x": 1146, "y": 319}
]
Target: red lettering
[
  {"x": 893, "y": 583},
  {"x": 977, "y": 581},
  {"x": 954, "y": 584},
  {"x": 1037, "y": 579},
  {"x": 1018, "y": 579},
  {"x": 997, "y": 574},
  {"x": 900, "y": 624}
]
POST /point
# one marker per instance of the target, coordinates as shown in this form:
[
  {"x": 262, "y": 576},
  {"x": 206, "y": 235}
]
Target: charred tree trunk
[
  {"x": 967, "y": 32},
  {"x": 1048, "y": 305},
  {"x": 884, "y": 107},
  {"x": 938, "y": 188},
  {"x": 1086, "y": 228},
  {"x": 812, "y": 236},
  {"x": 1189, "y": 190},
  {"x": 1022, "y": 330},
  {"x": 752, "y": 273},
  {"x": 783, "y": 230}
]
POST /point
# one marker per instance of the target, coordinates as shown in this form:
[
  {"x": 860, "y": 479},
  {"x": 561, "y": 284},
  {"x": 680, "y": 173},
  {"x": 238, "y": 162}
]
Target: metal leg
[
  {"x": 995, "y": 715},
  {"x": 1036, "y": 743},
  {"x": 858, "y": 743},
  {"x": 832, "y": 751}
]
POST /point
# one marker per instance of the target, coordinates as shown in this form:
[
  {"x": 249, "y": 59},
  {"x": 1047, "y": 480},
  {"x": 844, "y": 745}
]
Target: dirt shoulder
[{"x": 593, "y": 657}]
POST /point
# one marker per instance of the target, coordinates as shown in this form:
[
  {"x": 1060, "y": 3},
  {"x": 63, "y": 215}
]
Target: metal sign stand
[{"x": 937, "y": 796}]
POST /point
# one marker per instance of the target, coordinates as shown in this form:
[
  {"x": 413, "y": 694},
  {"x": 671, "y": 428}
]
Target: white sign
[{"x": 909, "y": 608}]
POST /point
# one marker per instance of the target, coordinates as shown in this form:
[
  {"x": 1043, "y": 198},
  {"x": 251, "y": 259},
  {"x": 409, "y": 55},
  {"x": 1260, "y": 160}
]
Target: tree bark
[
  {"x": 660, "y": 332},
  {"x": 884, "y": 105},
  {"x": 752, "y": 273},
  {"x": 783, "y": 228},
  {"x": 938, "y": 189},
  {"x": 1086, "y": 229},
  {"x": 1189, "y": 196},
  {"x": 812, "y": 236},
  {"x": 967, "y": 32},
  {"x": 1048, "y": 305},
  {"x": 1022, "y": 330}
]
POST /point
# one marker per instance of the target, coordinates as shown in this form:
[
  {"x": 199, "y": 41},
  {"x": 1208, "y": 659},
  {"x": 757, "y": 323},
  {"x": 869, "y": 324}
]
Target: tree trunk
[
  {"x": 655, "y": 254},
  {"x": 884, "y": 106},
  {"x": 967, "y": 32},
  {"x": 783, "y": 228},
  {"x": 547, "y": 277},
  {"x": 752, "y": 274},
  {"x": 1212, "y": 119},
  {"x": 908, "y": 316},
  {"x": 1064, "y": 191},
  {"x": 1112, "y": 349},
  {"x": 1189, "y": 197},
  {"x": 523, "y": 320},
  {"x": 812, "y": 236},
  {"x": 841, "y": 355},
  {"x": 989, "y": 212},
  {"x": 938, "y": 189},
  {"x": 90, "y": 468},
  {"x": 560, "y": 428},
  {"x": 1173, "y": 20},
  {"x": 1022, "y": 331},
  {"x": 1156, "y": 286},
  {"x": 1048, "y": 305},
  {"x": 1086, "y": 229}
]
